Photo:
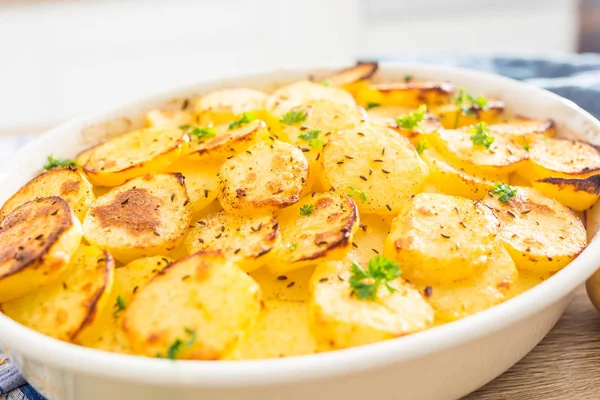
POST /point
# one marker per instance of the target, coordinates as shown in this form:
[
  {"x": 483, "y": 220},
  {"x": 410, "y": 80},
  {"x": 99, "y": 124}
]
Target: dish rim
[{"x": 235, "y": 374}]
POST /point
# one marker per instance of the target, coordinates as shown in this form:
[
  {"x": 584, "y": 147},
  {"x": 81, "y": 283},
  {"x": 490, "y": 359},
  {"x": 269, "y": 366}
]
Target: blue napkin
[{"x": 575, "y": 77}]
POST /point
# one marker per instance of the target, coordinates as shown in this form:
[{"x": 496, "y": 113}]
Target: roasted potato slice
[
  {"x": 180, "y": 314},
  {"x": 364, "y": 161},
  {"x": 405, "y": 94},
  {"x": 522, "y": 127},
  {"x": 540, "y": 234},
  {"x": 338, "y": 319},
  {"x": 135, "y": 154},
  {"x": 168, "y": 119},
  {"x": 38, "y": 239},
  {"x": 288, "y": 97},
  {"x": 224, "y": 106},
  {"x": 146, "y": 216},
  {"x": 504, "y": 155},
  {"x": 319, "y": 227},
  {"x": 359, "y": 72},
  {"x": 66, "y": 183},
  {"x": 247, "y": 239},
  {"x": 388, "y": 116},
  {"x": 226, "y": 142},
  {"x": 452, "y": 117},
  {"x": 489, "y": 286},
  {"x": 440, "y": 238},
  {"x": 579, "y": 194},
  {"x": 107, "y": 333},
  {"x": 268, "y": 176},
  {"x": 65, "y": 309},
  {"x": 200, "y": 181},
  {"x": 369, "y": 239}
]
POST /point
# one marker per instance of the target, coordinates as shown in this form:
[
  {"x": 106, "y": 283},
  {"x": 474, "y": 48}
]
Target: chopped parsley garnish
[
  {"x": 119, "y": 305},
  {"x": 311, "y": 136},
  {"x": 199, "y": 132},
  {"x": 422, "y": 146},
  {"x": 372, "y": 105},
  {"x": 504, "y": 192},
  {"x": 352, "y": 191},
  {"x": 306, "y": 210},
  {"x": 465, "y": 105},
  {"x": 292, "y": 246},
  {"x": 408, "y": 78},
  {"x": 246, "y": 118},
  {"x": 59, "y": 162},
  {"x": 179, "y": 345},
  {"x": 366, "y": 283},
  {"x": 526, "y": 147},
  {"x": 326, "y": 82},
  {"x": 480, "y": 135},
  {"x": 293, "y": 117},
  {"x": 413, "y": 119}
]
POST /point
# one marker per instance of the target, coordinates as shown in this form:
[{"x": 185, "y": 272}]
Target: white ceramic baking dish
[{"x": 446, "y": 362}]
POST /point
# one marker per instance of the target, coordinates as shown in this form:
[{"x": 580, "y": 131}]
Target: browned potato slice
[
  {"x": 540, "y": 234},
  {"x": 66, "y": 183},
  {"x": 338, "y": 319},
  {"x": 200, "y": 181},
  {"x": 439, "y": 238},
  {"x": 107, "y": 333},
  {"x": 489, "y": 286},
  {"x": 268, "y": 176},
  {"x": 447, "y": 114},
  {"x": 38, "y": 240},
  {"x": 249, "y": 240},
  {"x": 319, "y": 227},
  {"x": 579, "y": 194},
  {"x": 67, "y": 308},
  {"x": 227, "y": 142},
  {"x": 168, "y": 119},
  {"x": 523, "y": 127},
  {"x": 505, "y": 155},
  {"x": 360, "y": 72},
  {"x": 225, "y": 105},
  {"x": 364, "y": 161},
  {"x": 405, "y": 94},
  {"x": 146, "y": 216},
  {"x": 369, "y": 239},
  {"x": 387, "y": 116},
  {"x": 288, "y": 97},
  {"x": 199, "y": 307},
  {"x": 134, "y": 154}
]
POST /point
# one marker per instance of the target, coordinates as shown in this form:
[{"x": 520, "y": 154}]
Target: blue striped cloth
[{"x": 575, "y": 77}]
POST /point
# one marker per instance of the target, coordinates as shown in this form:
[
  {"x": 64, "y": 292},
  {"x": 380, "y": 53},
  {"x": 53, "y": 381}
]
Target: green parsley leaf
[
  {"x": 292, "y": 246},
  {"x": 366, "y": 283},
  {"x": 293, "y": 117},
  {"x": 504, "y": 192},
  {"x": 326, "y": 82},
  {"x": 179, "y": 345},
  {"x": 480, "y": 135},
  {"x": 119, "y": 305},
  {"x": 202, "y": 133},
  {"x": 408, "y": 78},
  {"x": 372, "y": 105},
  {"x": 246, "y": 118},
  {"x": 362, "y": 195},
  {"x": 467, "y": 105},
  {"x": 311, "y": 136},
  {"x": 413, "y": 119},
  {"x": 59, "y": 162},
  {"x": 306, "y": 210},
  {"x": 422, "y": 146},
  {"x": 526, "y": 147}
]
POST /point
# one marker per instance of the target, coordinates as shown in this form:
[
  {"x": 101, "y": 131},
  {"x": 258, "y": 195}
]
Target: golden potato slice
[
  {"x": 365, "y": 160},
  {"x": 226, "y": 142},
  {"x": 66, "y": 308},
  {"x": 134, "y": 154},
  {"x": 146, "y": 216},
  {"x": 523, "y": 127},
  {"x": 448, "y": 179},
  {"x": 388, "y": 116},
  {"x": 489, "y": 286},
  {"x": 405, "y": 94},
  {"x": 66, "y": 183},
  {"x": 359, "y": 72},
  {"x": 37, "y": 241},
  {"x": 319, "y": 227},
  {"x": 288, "y": 97},
  {"x": 447, "y": 114},
  {"x": 338, "y": 319},
  {"x": 369, "y": 239},
  {"x": 540, "y": 234},
  {"x": 107, "y": 333},
  {"x": 439, "y": 238},
  {"x": 200, "y": 181},
  {"x": 224, "y": 106},
  {"x": 268, "y": 176},
  {"x": 198, "y": 307},
  {"x": 168, "y": 119},
  {"x": 503, "y": 156},
  {"x": 579, "y": 194},
  {"x": 248, "y": 240}
]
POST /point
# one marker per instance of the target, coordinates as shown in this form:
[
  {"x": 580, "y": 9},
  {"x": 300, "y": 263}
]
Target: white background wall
[{"x": 64, "y": 58}]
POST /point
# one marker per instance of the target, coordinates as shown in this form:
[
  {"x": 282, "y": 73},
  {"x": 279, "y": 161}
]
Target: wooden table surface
[{"x": 565, "y": 365}]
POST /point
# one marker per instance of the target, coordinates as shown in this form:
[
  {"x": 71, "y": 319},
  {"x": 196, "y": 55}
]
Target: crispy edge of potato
[
  {"x": 579, "y": 194},
  {"x": 363, "y": 70},
  {"x": 537, "y": 169},
  {"x": 546, "y": 127},
  {"x": 447, "y": 114}
]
